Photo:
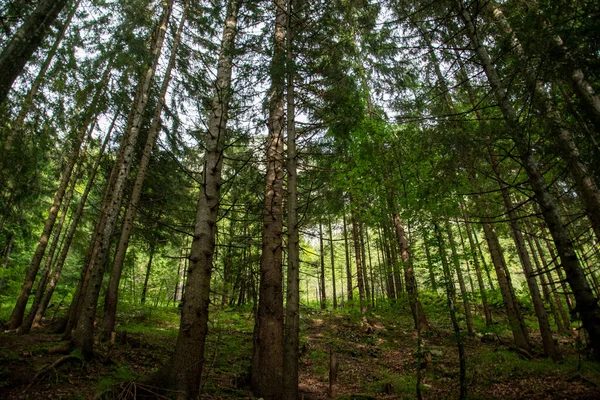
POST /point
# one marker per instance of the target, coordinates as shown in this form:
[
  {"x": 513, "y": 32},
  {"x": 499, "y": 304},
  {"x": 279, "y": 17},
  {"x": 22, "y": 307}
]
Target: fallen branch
[{"x": 55, "y": 364}]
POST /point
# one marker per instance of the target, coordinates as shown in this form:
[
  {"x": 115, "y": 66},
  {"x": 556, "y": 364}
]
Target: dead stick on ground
[
  {"x": 49, "y": 366},
  {"x": 333, "y": 371}
]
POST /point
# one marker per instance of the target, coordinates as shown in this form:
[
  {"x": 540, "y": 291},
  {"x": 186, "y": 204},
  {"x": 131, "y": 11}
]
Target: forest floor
[{"x": 376, "y": 353}]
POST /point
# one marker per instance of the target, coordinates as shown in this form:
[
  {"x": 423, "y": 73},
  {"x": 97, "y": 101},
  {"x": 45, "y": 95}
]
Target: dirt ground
[{"x": 376, "y": 359}]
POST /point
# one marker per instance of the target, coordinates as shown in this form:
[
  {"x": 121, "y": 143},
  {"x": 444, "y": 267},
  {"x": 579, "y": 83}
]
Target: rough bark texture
[
  {"x": 451, "y": 296},
  {"x": 519, "y": 334},
  {"x": 546, "y": 292},
  {"x": 26, "y": 41},
  {"x": 364, "y": 266},
  {"x": 359, "y": 273},
  {"x": 429, "y": 263},
  {"x": 185, "y": 368},
  {"x": 292, "y": 310},
  {"x": 60, "y": 262},
  {"x": 475, "y": 257},
  {"x": 83, "y": 334},
  {"x": 147, "y": 277},
  {"x": 349, "y": 286},
  {"x": 267, "y": 363},
  {"x": 461, "y": 280},
  {"x": 587, "y": 306},
  {"x": 418, "y": 314},
  {"x": 48, "y": 268},
  {"x": 112, "y": 292},
  {"x": 322, "y": 292},
  {"x": 545, "y": 271},
  {"x": 18, "y": 312},
  {"x": 17, "y": 125},
  {"x": 332, "y": 264},
  {"x": 516, "y": 229}
]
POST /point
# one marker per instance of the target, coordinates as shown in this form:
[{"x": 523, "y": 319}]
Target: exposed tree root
[{"x": 49, "y": 367}]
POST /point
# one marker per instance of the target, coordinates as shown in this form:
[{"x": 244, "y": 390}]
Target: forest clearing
[{"x": 293, "y": 199}]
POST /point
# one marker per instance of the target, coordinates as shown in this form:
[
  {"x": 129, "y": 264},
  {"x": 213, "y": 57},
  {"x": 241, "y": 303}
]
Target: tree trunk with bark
[
  {"x": 418, "y": 314},
  {"x": 516, "y": 230},
  {"x": 332, "y": 264},
  {"x": 518, "y": 330},
  {"x": 17, "y": 126},
  {"x": 429, "y": 263},
  {"x": 112, "y": 292},
  {"x": 545, "y": 271},
  {"x": 587, "y": 306},
  {"x": 545, "y": 291},
  {"x": 482, "y": 290},
  {"x": 184, "y": 370},
  {"x": 349, "y": 287},
  {"x": 359, "y": 272},
  {"x": 292, "y": 311},
  {"x": 18, "y": 312},
  {"x": 25, "y": 42},
  {"x": 83, "y": 334},
  {"x": 322, "y": 292},
  {"x": 60, "y": 262},
  {"x": 147, "y": 277},
  {"x": 8, "y": 250},
  {"x": 267, "y": 362},
  {"x": 461, "y": 280},
  {"x": 451, "y": 296}
]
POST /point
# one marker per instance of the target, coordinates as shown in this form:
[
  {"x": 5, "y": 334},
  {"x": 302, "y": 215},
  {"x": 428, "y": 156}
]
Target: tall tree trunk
[
  {"x": 561, "y": 277},
  {"x": 8, "y": 250},
  {"x": 112, "y": 292},
  {"x": 332, "y": 264},
  {"x": 48, "y": 268},
  {"x": 485, "y": 265},
  {"x": 461, "y": 280},
  {"x": 563, "y": 139},
  {"x": 349, "y": 287},
  {"x": 390, "y": 287},
  {"x": 28, "y": 38},
  {"x": 545, "y": 270},
  {"x": 69, "y": 319},
  {"x": 516, "y": 229},
  {"x": 587, "y": 305},
  {"x": 546, "y": 292},
  {"x": 359, "y": 267},
  {"x": 512, "y": 311},
  {"x": 418, "y": 314},
  {"x": 398, "y": 283},
  {"x": 482, "y": 291},
  {"x": 147, "y": 277},
  {"x": 72, "y": 229},
  {"x": 363, "y": 253},
  {"x": 83, "y": 334},
  {"x": 18, "y": 312},
  {"x": 292, "y": 310},
  {"x": 267, "y": 362},
  {"x": 322, "y": 270},
  {"x": 451, "y": 296},
  {"x": 185, "y": 368},
  {"x": 373, "y": 294},
  {"x": 16, "y": 128},
  {"x": 429, "y": 263}
]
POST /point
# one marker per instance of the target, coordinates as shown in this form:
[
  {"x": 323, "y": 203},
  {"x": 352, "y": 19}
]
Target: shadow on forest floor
[{"x": 377, "y": 356}]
